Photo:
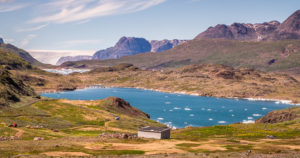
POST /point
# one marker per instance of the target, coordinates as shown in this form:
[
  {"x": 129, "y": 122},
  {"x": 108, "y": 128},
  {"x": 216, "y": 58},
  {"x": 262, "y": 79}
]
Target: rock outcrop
[
  {"x": 73, "y": 58},
  {"x": 121, "y": 106},
  {"x": 289, "y": 29},
  {"x": 240, "y": 31},
  {"x": 1, "y": 41},
  {"x": 160, "y": 46},
  {"x": 280, "y": 116}
]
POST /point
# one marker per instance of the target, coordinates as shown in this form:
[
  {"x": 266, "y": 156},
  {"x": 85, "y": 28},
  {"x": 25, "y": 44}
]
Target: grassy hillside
[
  {"x": 68, "y": 126},
  {"x": 21, "y": 53},
  {"x": 276, "y": 137},
  {"x": 12, "y": 90},
  {"x": 266, "y": 55},
  {"x": 76, "y": 129}
]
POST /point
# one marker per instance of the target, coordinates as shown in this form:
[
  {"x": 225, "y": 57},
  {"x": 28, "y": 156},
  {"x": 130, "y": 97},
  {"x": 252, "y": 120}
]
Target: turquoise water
[{"x": 178, "y": 110}]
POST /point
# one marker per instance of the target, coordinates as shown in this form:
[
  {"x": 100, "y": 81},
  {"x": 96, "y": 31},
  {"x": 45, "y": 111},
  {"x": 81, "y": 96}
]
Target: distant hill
[
  {"x": 289, "y": 29},
  {"x": 264, "y": 55},
  {"x": 20, "y": 52},
  {"x": 13, "y": 61},
  {"x": 127, "y": 46},
  {"x": 73, "y": 58}
]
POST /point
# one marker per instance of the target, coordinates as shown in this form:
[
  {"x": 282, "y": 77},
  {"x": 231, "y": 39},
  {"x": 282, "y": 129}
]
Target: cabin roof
[{"x": 153, "y": 129}]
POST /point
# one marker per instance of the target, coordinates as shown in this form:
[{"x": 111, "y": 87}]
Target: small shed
[{"x": 154, "y": 132}]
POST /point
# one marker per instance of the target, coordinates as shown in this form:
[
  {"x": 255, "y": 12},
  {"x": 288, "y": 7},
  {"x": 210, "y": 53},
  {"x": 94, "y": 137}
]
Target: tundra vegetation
[{"x": 59, "y": 128}]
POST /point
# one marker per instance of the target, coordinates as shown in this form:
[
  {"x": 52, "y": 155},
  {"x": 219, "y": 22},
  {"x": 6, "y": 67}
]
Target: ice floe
[
  {"x": 210, "y": 119},
  {"x": 187, "y": 109},
  {"x": 256, "y": 115},
  {"x": 222, "y": 122},
  {"x": 177, "y": 108},
  {"x": 160, "y": 118},
  {"x": 192, "y": 115},
  {"x": 248, "y": 121}
]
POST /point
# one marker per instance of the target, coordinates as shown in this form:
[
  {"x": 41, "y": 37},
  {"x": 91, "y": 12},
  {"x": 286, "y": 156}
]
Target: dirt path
[{"x": 19, "y": 133}]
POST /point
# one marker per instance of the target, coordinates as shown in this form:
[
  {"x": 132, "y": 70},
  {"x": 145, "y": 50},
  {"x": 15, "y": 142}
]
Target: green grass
[{"x": 239, "y": 131}]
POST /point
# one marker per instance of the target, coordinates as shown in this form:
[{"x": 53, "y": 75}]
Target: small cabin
[{"x": 154, "y": 132}]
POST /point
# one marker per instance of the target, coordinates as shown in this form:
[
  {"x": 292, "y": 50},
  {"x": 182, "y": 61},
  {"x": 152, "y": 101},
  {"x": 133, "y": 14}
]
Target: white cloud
[
  {"x": 59, "y": 11},
  {"x": 51, "y": 56},
  {"x": 9, "y": 5},
  {"x": 27, "y": 39},
  {"x": 32, "y": 28}
]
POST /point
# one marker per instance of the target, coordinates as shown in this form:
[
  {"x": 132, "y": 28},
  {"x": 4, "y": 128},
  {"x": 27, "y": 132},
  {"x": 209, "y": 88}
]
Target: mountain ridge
[
  {"x": 128, "y": 46},
  {"x": 273, "y": 30}
]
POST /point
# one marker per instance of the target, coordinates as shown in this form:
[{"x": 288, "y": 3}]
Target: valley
[{"x": 232, "y": 91}]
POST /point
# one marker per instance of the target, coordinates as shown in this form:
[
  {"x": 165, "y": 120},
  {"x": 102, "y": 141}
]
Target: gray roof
[{"x": 153, "y": 129}]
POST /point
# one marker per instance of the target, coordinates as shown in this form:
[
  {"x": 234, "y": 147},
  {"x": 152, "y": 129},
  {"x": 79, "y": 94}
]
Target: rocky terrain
[
  {"x": 163, "y": 45},
  {"x": 1, "y": 41},
  {"x": 273, "y": 30},
  {"x": 239, "y": 31},
  {"x": 280, "y": 116},
  {"x": 289, "y": 29}
]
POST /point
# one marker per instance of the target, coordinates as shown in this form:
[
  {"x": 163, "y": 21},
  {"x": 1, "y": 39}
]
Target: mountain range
[
  {"x": 127, "y": 46},
  {"x": 274, "y": 30},
  {"x": 268, "y": 46}
]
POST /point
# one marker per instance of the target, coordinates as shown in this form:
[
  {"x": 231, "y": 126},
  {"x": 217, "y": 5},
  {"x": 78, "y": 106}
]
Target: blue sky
[{"x": 72, "y": 27}]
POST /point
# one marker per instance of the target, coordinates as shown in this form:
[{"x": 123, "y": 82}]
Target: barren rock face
[
  {"x": 273, "y": 30},
  {"x": 1, "y": 41},
  {"x": 125, "y": 46},
  {"x": 160, "y": 46}
]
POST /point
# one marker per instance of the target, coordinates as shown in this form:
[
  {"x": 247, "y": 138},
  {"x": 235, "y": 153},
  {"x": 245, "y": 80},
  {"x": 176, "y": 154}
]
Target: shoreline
[{"x": 277, "y": 101}]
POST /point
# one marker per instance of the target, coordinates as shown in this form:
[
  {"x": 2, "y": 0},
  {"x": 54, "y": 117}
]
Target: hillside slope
[
  {"x": 12, "y": 90},
  {"x": 21, "y": 53},
  {"x": 265, "y": 55}
]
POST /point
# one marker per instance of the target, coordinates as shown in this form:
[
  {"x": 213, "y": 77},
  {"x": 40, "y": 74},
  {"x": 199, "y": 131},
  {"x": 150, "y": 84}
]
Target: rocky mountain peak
[
  {"x": 273, "y": 30},
  {"x": 134, "y": 44},
  {"x": 291, "y": 24},
  {"x": 1, "y": 40}
]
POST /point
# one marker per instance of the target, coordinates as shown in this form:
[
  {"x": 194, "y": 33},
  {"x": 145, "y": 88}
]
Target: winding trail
[{"x": 19, "y": 133}]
